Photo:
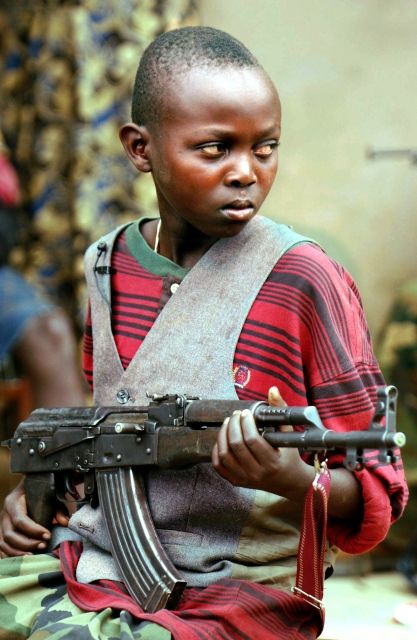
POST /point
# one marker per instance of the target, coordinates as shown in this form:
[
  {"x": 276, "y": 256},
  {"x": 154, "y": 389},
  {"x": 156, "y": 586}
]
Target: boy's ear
[{"x": 135, "y": 140}]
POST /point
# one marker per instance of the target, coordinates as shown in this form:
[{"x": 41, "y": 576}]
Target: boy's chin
[{"x": 231, "y": 230}]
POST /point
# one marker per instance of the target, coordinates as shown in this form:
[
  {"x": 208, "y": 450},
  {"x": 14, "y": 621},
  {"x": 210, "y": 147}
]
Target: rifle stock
[{"x": 106, "y": 444}]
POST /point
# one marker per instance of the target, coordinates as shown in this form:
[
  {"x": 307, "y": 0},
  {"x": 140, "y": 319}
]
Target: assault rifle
[{"x": 106, "y": 444}]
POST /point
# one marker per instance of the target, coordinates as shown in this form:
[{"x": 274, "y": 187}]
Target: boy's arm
[
  {"x": 244, "y": 458},
  {"x": 362, "y": 505},
  {"x": 19, "y": 535}
]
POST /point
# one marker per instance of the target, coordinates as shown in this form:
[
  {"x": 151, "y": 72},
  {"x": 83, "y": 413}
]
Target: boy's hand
[
  {"x": 19, "y": 535},
  {"x": 246, "y": 459}
]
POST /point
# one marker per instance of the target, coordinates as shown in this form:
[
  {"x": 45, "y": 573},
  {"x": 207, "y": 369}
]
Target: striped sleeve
[{"x": 311, "y": 312}]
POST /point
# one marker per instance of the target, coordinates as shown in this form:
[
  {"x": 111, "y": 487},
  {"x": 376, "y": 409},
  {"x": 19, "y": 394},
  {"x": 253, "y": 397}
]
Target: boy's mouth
[{"x": 239, "y": 210}]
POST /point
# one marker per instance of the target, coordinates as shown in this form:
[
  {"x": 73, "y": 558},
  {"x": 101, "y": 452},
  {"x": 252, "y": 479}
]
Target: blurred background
[{"x": 345, "y": 71}]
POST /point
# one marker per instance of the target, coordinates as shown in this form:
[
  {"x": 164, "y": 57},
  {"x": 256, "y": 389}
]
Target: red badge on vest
[{"x": 241, "y": 376}]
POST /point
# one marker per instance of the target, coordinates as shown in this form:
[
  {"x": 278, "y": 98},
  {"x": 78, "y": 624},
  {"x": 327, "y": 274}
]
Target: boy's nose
[{"x": 241, "y": 172}]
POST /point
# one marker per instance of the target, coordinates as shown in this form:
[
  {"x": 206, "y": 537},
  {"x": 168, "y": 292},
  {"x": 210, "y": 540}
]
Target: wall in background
[{"x": 345, "y": 71}]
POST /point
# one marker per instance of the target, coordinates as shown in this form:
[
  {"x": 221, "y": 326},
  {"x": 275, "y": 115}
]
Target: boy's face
[{"x": 214, "y": 156}]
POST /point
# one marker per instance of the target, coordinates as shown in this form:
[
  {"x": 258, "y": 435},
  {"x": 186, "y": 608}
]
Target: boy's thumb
[{"x": 274, "y": 398}]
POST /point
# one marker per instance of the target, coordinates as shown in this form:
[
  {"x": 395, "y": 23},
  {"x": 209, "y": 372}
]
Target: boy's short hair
[{"x": 176, "y": 52}]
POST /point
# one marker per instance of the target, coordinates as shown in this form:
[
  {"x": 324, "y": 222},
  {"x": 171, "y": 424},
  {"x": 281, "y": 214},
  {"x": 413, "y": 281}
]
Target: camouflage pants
[{"x": 34, "y": 604}]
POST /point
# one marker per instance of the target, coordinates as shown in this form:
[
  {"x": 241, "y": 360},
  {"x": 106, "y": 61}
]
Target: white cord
[{"x": 158, "y": 229}]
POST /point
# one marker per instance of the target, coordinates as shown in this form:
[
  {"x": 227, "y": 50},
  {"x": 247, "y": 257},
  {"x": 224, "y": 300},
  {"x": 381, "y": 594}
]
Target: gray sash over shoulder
[{"x": 190, "y": 350}]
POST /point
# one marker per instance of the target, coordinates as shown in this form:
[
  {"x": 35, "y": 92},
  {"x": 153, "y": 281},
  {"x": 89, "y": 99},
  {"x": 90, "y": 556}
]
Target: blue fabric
[{"x": 19, "y": 303}]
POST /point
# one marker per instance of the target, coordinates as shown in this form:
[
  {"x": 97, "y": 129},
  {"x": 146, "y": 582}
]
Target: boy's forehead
[{"x": 222, "y": 90}]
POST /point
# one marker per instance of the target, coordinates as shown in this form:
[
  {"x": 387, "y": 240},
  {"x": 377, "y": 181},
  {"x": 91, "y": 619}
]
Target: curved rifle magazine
[{"x": 148, "y": 573}]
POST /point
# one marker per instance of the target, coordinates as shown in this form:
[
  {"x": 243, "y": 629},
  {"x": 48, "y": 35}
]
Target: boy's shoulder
[
  {"x": 312, "y": 268},
  {"x": 105, "y": 242},
  {"x": 276, "y": 230}
]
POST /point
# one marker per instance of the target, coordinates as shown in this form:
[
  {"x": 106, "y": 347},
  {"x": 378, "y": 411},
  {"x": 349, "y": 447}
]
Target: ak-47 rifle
[{"x": 106, "y": 444}]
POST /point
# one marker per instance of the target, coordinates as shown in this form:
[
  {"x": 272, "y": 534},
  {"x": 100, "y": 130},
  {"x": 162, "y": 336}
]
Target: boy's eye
[
  {"x": 266, "y": 148},
  {"x": 213, "y": 149}
]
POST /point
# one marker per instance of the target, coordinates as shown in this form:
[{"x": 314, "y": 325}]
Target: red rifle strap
[{"x": 311, "y": 549}]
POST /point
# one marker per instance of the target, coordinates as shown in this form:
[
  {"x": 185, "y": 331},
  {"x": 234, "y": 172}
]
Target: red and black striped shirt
[{"x": 305, "y": 333}]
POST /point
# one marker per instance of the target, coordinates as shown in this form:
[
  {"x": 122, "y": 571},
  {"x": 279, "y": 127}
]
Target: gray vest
[{"x": 189, "y": 349}]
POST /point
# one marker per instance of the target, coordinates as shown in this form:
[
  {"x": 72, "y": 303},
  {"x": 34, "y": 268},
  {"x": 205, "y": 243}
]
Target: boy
[{"x": 211, "y": 301}]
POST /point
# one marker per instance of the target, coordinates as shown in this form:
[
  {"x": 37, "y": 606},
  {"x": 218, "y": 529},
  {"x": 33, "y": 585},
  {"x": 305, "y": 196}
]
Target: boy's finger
[
  {"x": 241, "y": 431},
  {"x": 232, "y": 450},
  {"x": 61, "y": 518},
  {"x": 14, "y": 543},
  {"x": 222, "y": 456},
  {"x": 275, "y": 399},
  {"x": 258, "y": 447},
  {"x": 14, "y": 517},
  {"x": 227, "y": 467},
  {"x": 221, "y": 444},
  {"x": 9, "y": 552},
  {"x": 248, "y": 428},
  {"x": 20, "y": 546},
  {"x": 24, "y": 525}
]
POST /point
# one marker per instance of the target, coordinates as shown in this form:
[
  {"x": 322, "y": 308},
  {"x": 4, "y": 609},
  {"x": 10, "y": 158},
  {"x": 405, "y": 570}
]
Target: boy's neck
[{"x": 185, "y": 249}]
